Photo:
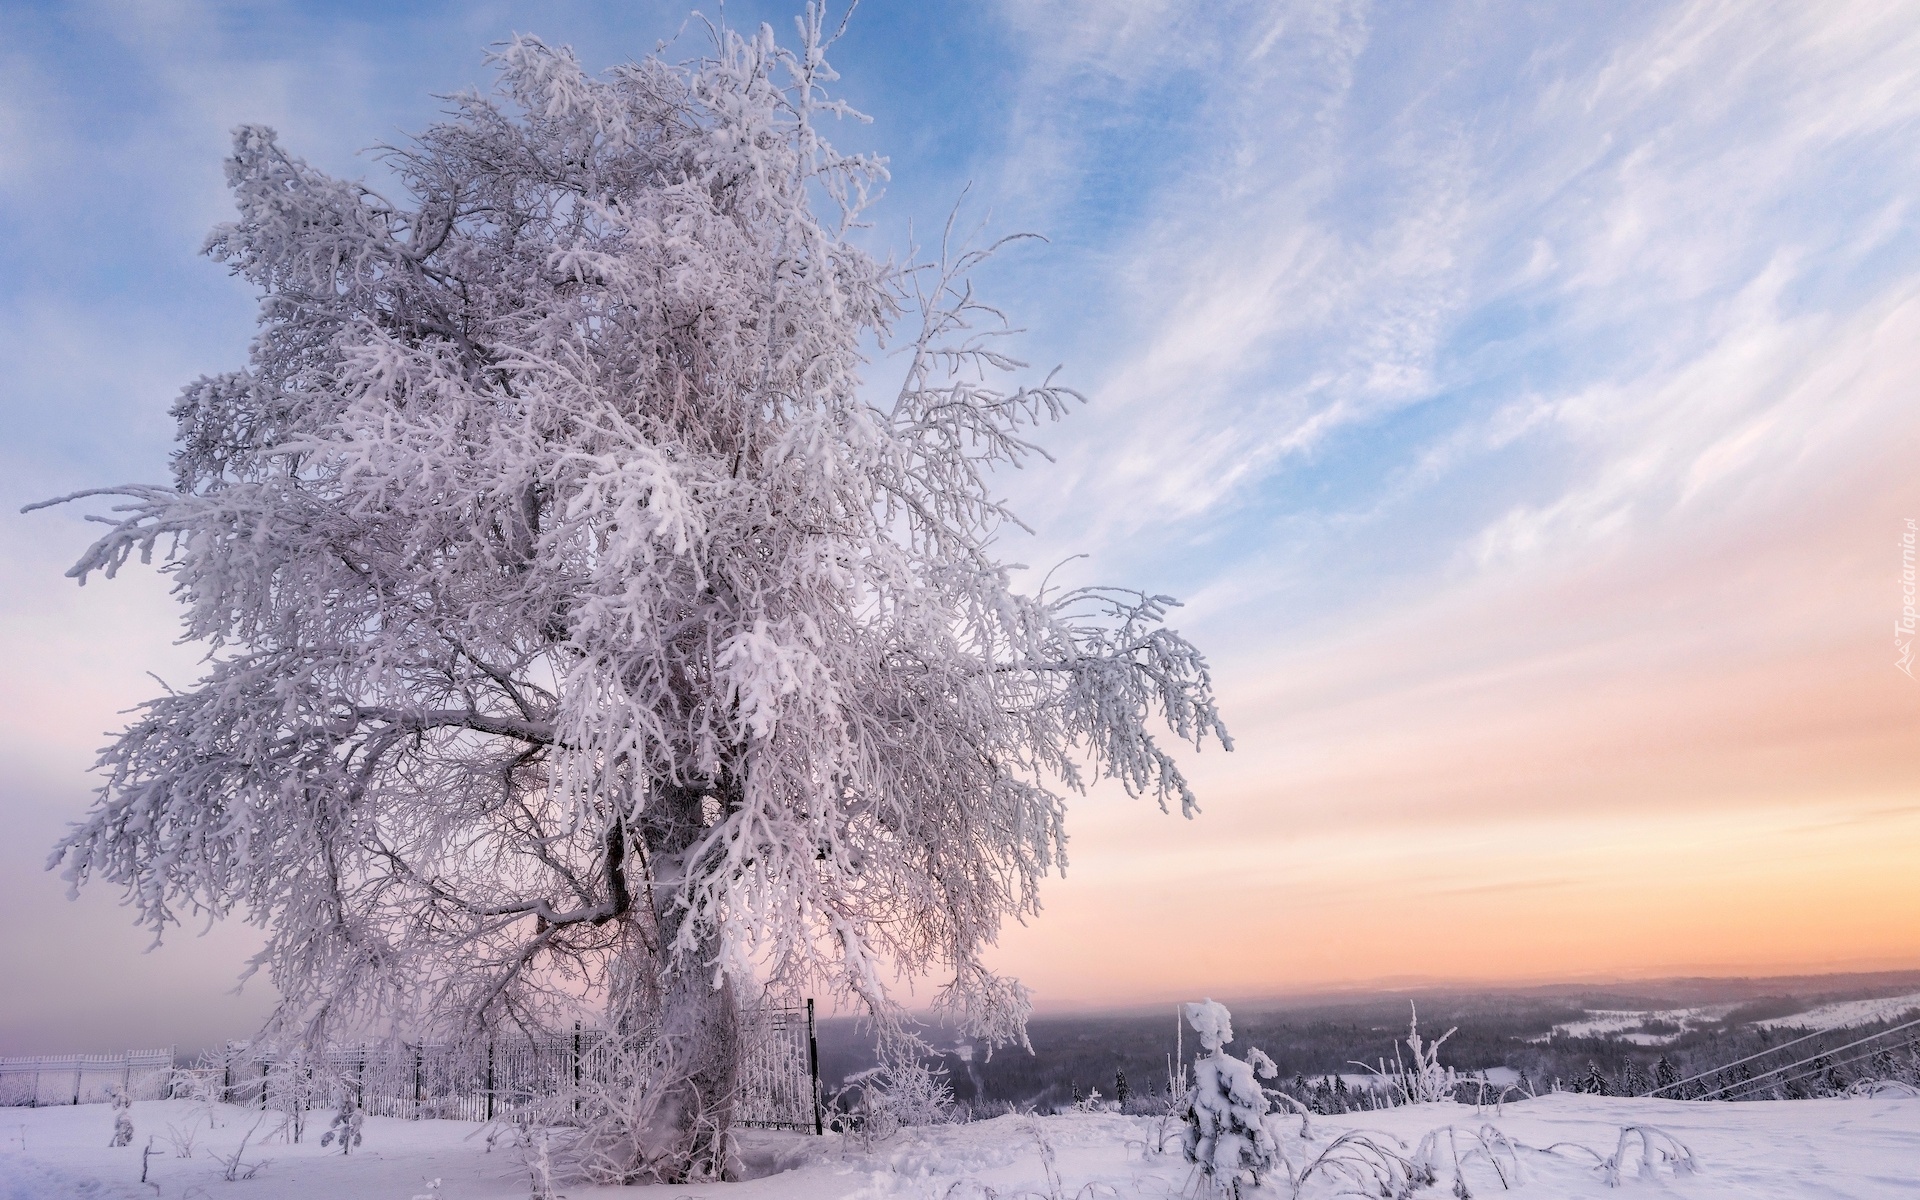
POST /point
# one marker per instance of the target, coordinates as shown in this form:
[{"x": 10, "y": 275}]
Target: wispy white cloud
[{"x": 1585, "y": 248}]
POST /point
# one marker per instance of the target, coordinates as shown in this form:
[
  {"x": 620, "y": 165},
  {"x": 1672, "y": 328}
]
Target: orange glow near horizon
[{"x": 1688, "y": 752}]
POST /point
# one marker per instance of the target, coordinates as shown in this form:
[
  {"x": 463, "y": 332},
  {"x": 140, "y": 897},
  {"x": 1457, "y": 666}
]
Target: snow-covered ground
[
  {"x": 1627, "y": 1025},
  {"x": 1787, "y": 1150},
  {"x": 1847, "y": 1012}
]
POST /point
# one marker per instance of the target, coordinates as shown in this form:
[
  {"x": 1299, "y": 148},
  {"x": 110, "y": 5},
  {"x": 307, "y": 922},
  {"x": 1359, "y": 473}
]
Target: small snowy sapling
[
  {"x": 1227, "y": 1135},
  {"x": 346, "y": 1125},
  {"x": 122, "y": 1119}
]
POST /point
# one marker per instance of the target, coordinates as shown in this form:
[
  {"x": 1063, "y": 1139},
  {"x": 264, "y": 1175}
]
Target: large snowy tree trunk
[{"x": 697, "y": 1035}]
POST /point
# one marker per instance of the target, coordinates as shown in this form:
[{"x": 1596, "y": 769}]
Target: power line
[
  {"x": 1762, "y": 1054},
  {"x": 1872, "y": 1037},
  {"x": 1815, "y": 1067}
]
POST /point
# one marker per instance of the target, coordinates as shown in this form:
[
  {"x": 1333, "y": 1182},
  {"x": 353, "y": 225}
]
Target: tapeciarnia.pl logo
[{"x": 1903, "y": 629}]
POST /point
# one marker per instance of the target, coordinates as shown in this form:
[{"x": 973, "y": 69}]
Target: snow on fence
[
  {"x": 779, "y": 1075},
  {"x": 42, "y": 1080},
  {"x": 413, "y": 1082}
]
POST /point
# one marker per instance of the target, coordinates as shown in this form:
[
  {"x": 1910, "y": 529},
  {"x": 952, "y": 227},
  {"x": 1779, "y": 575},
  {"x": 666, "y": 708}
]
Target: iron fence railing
[{"x": 474, "y": 1081}]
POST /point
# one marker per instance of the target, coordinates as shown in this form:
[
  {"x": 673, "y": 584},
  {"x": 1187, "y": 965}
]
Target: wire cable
[{"x": 1872, "y": 1037}]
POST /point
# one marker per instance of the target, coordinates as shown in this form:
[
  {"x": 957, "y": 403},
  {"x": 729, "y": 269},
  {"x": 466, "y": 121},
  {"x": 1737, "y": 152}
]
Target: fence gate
[{"x": 779, "y": 1069}]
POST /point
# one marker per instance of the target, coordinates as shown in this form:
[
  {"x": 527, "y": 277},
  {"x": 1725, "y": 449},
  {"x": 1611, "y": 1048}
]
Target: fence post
[
  {"x": 813, "y": 1070},
  {"x": 226, "y": 1074},
  {"x": 489, "y": 1080},
  {"x": 576, "y": 1068},
  {"x": 77, "y": 1068},
  {"x": 264, "y": 1068},
  {"x": 419, "y": 1097}
]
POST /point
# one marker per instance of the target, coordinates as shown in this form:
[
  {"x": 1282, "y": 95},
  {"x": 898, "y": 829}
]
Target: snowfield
[
  {"x": 1625, "y": 1025},
  {"x": 1867, "y": 1148},
  {"x": 1847, "y": 1013}
]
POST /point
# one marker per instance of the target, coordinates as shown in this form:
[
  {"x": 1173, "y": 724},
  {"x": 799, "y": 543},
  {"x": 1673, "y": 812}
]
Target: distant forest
[{"x": 1311, "y": 1041}]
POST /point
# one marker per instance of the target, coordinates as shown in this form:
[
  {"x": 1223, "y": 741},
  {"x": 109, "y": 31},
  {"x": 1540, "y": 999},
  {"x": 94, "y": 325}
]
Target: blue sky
[{"x": 1520, "y": 395}]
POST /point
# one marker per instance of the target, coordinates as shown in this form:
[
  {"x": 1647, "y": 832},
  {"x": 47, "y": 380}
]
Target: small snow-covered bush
[
  {"x": 880, "y": 1101},
  {"x": 181, "y": 1140},
  {"x": 1227, "y": 1135},
  {"x": 122, "y": 1119},
  {"x": 1656, "y": 1147},
  {"x": 1424, "y": 1080},
  {"x": 1487, "y": 1142},
  {"x": 1882, "y": 1087},
  {"x": 235, "y": 1166},
  {"x": 346, "y": 1125},
  {"x": 1367, "y": 1164}
]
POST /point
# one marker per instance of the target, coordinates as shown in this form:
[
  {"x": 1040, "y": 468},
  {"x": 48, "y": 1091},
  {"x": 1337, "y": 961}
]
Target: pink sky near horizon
[{"x": 1682, "y": 747}]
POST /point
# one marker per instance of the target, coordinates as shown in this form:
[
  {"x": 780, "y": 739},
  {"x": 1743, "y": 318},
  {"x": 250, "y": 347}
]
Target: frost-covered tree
[
  {"x": 1594, "y": 1083},
  {"x": 1633, "y": 1080},
  {"x": 1227, "y": 1133},
  {"x": 585, "y": 624}
]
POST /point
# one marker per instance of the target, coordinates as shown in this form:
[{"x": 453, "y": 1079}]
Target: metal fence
[
  {"x": 43, "y": 1080},
  {"x": 409, "y": 1081},
  {"x": 779, "y": 1075}
]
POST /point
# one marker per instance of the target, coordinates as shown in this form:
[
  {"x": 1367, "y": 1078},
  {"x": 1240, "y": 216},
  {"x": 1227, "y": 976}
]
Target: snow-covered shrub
[
  {"x": 1487, "y": 1142},
  {"x": 347, "y": 1121},
  {"x": 235, "y": 1166},
  {"x": 1656, "y": 1148},
  {"x": 1227, "y": 1135},
  {"x": 1424, "y": 1080},
  {"x": 181, "y": 1140},
  {"x": 294, "y": 1087},
  {"x": 122, "y": 1119},
  {"x": 200, "y": 1083},
  {"x": 1882, "y": 1087},
  {"x": 543, "y": 1148},
  {"x": 902, "y": 1091},
  {"x": 1367, "y": 1164}
]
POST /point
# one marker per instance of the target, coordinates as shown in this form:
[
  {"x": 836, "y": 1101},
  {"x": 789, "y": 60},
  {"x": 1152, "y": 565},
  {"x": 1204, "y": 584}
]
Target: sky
[{"x": 1520, "y": 397}]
